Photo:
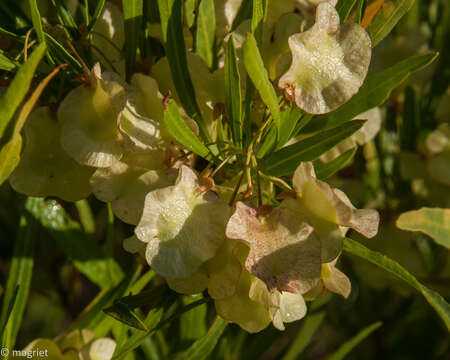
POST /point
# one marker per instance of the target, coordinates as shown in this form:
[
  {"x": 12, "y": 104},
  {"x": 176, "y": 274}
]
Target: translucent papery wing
[
  {"x": 88, "y": 117},
  {"x": 182, "y": 226},
  {"x": 329, "y": 63},
  {"x": 45, "y": 169},
  {"x": 283, "y": 251}
]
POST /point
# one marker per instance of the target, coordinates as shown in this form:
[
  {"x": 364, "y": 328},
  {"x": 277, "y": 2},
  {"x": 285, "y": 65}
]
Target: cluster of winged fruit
[{"x": 208, "y": 231}]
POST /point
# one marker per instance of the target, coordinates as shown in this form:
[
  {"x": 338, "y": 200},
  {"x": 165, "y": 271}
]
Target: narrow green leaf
[
  {"x": 132, "y": 15},
  {"x": 206, "y": 31},
  {"x": 172, "y": 26},
  {"x": 8, "y": 308},
  {"x": 37, "y": 21},
  {"x": 344, "y": 7},
  {"x": 178, "y": 128},
  {"x": 78, "y": 246},
  {"x": 244, "y": 13},
  {"x": 348, "y": 346},
  {"x": 20, "y": 274},
  {"x": 359, "y": 10},
  {"x": 258, "y": 74},
  {"x": 258, "y": 15},
  {"x": 434, "y": 222},
  {"x": 289, "y": 120},
  {"x": 19, "y": 88},
  {"x": 126, "y": 316},
  {"x": 66, "y": 19},
  {"x": 60, "y": 52},
  {"x": 97, "y": 12},
  {"x": 388, "y": 16},
  {"x": 203, "y": 347},
  {"x": 377, "y": 88},
  {"x": 10, "y": 153},
  {"x": 233, "y": 94},
  {"x": 10, "y": 157},
  {"x": 304, "y": 336},
  {"x": 435, "y": 300},
  {"x": 325, "y": 170},
  {"x": 286, "y": 160}
]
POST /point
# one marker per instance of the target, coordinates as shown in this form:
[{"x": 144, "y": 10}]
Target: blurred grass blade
[
  {"x": 177, "y": 127},
  {"x": 5, "y": 63},
  {"x": 388, "y": 16},
  {"x": 192, "y": 324},
  {"x": 79, "y": 247},
  {"x": 20, "y": 274},
  {"x": 233, "y": 95},
  {"x": 86, "y": 216},
  {"x": 10, "y": 153},
  {"x": 18, "y": 88},
  {"x": 434, "y": 222},
  {"x": 6, "y": 310},
  {"x": 170, "y": 12},
  {"x": 325, "y": 170},
  {"x": 154, "y": 321},
  {"x": 344, "y": 7},
  {"x": 204, "y": 346},
  {"x": 436, "y": 301},
  {"x": 304, "y": 336},
  {"x": 132, "y": 15},
  {"x": 286, "y": 160},
  {"x": 377, "y": 88},
  {"x": 93, "y": 314},
  {"x": 206, "y": 31},
  {"x": 348, "y": 346},
  {"x": 258, "y": 74}
]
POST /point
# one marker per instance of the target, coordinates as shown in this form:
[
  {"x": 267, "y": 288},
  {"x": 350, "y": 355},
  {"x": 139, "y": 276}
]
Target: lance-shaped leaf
[
  {"x": 433, "y": 222},
  {"x": 378, "y": 87},
  {"x": 387, "y": 17},
  {"x": 126, "y": 183},
  {"x": 283, "y": 251},
  {"x": 257, "y": 72},
  {"x": 183, "y": 225},
  {"x": 45, "y": 169},
  {"x": 434, "y": 299},
  {"x": 329, "y": 63},
  {"x": 10, "y": 101},
  {"x": 88, "y": 117}
]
